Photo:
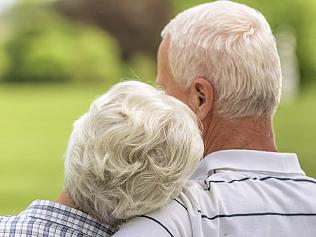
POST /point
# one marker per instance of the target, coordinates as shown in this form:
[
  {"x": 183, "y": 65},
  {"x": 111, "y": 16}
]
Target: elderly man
[
  {"x": 127, "y": 156},
  {"x": 220, "y": 58}
]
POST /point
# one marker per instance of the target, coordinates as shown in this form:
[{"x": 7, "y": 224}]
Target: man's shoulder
[
  {"x": 173, "y": 219},
  {"x": 170, "y": 220},
  {"x": 231, "y": 198}
]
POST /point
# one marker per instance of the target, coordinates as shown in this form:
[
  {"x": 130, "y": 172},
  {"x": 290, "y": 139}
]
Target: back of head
[
  {"x": 232, "y": 46},
  {"x": 131, "y": 152}
]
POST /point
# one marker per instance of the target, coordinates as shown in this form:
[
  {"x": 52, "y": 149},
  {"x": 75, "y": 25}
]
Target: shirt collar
[
  {"x": 70, "y": 217},
  {"x": 248, "y": 160}
]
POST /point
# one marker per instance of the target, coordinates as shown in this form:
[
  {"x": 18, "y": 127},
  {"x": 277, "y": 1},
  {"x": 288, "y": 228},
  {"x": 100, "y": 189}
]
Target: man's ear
[{"x": 202, "y": 97}]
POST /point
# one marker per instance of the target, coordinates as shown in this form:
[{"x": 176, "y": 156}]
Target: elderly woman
[{"x": 128, "y": 155}]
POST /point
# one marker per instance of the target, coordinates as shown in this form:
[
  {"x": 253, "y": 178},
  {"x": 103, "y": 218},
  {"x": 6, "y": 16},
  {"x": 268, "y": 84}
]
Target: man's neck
[{"x": 244, "y": 133}]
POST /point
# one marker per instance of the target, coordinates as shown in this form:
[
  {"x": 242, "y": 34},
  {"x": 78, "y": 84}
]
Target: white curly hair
[{"x": 131, "y": 152}]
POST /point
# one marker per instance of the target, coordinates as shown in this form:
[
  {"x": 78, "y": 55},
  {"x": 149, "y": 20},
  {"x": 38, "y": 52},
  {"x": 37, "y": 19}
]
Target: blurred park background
[{"x": 57, "y": 56}]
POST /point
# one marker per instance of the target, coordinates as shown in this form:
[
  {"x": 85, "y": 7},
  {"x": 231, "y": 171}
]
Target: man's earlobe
[{"x": 203, "y": 97}]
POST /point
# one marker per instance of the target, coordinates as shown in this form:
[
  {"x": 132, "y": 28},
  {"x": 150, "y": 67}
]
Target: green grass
[
  {"x": 36, "y": 121},
  {"x": 35, "y": 124}
]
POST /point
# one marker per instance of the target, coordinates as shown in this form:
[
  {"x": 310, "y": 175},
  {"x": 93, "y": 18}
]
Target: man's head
[
  {"x": 221, "y": 57},
  {"x": 131, "y": 152}
]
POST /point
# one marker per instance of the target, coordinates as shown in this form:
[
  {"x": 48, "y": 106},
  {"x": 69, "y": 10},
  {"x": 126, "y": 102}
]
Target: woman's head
[{"x": 131, "y": 152}]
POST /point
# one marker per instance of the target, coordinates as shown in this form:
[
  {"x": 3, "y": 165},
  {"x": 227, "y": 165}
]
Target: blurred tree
[
  {"x": 135, "y": 24},
  {"x": 4, "y": 62},
  {"x": 43, "y": 46}
]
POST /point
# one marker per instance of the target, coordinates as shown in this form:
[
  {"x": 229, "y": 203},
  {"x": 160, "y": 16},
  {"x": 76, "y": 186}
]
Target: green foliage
[
  {"x": 46, "y": 47},
  {"x": 141, "y": 67},
  {"x": 4, "y": 62}
]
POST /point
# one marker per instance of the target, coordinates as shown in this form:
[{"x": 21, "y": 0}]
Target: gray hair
[
  {"x": 131, "y": 152},
  {"x": 232, "y": 46}
]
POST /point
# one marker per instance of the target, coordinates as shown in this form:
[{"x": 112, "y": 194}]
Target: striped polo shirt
[{"x": 237, "y": 193}]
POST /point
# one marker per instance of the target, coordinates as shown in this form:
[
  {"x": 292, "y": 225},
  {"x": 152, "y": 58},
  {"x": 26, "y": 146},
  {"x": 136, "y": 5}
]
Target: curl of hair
[
  {"x": 232, "y": 46},
  {"x": 131, "y": 152}
]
